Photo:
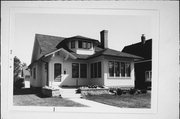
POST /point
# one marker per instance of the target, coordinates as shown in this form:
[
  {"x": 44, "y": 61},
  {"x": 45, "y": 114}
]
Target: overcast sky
[{"x": 122, "y": 30}]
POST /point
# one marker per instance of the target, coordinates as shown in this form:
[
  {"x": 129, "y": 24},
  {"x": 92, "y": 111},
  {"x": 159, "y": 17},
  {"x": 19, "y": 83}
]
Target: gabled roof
[
  {"x": 48, "y": 43},
  {"x": 140, "y": 49},
  {"x": 115, "y": 53}
]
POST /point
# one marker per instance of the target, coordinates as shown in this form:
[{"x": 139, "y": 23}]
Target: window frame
[
  {"x": 74, "y": 45},
  {"x": 149, "y": 74},
  {"x": 82, "y": 70},
  {"x": 120, "y": 68},
  {"x": 84, "y": 44},
  {"x": 79, "y": 70},
  {"x": 94, "y": 68}
]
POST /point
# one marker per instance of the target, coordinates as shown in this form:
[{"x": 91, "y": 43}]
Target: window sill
[{"x": 118, "y": 77}]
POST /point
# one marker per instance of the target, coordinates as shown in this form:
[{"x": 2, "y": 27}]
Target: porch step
[{"x": 69, "y": 93}]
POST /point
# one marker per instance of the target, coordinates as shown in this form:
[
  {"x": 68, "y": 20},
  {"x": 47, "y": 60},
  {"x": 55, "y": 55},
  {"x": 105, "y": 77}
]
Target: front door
[{"x": 57, "y": 72}]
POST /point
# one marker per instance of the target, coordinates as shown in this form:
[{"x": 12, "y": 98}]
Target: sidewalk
[{"x": 92, "y": 104}]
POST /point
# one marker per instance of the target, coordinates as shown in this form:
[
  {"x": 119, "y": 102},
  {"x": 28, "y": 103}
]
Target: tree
[
  {"x": 18, "y": 81},
  {"x": 17, "y": 68}
]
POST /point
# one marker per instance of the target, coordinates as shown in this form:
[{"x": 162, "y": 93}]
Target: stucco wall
[
  {"x": 66, "y": 72},
  {"x": 37, "y": 82},
  {"x": 67, "y": 79}
]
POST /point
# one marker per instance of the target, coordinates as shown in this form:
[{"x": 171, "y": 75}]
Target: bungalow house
[
  {"x": 143, "y": 68},
  {"x": 79, "y": 61}
]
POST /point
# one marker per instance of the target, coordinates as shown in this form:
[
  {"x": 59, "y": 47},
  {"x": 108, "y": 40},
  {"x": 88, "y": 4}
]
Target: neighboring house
[
  {"x": 25, "y": 73},
  {"x": 143, "y": 68},
  {"x": 79, "y": 61}
]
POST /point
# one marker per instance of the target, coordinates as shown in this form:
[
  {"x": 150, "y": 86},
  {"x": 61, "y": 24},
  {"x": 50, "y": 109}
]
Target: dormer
[{"x": 82, "y": 45}]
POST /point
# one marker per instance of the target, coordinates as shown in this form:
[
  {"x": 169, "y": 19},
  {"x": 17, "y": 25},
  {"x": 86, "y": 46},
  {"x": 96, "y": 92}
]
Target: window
[
  {"x": 88, "y": 45},
  {"x": 119, "y": 69},
  {"x": 148, "y": 75},
  {"x": 122, "y": 69},
  {"x": 92, "y": 71},
  {"x": 72, "y": 44},
  {"x": 75, "y": 70},
  {"x": 84, "y": 44},
  {"x": 111, "y": 68},
  {"x": 128, "y": 69},
  {"x": 34, "y": 73},
  {"x": 83, "y": 70},
  {"x": 96, "y": 70},
  {"x": 99, "y": 70},
  {"x": 79, "y": 44},
  {"x": 79, "y": 70}
]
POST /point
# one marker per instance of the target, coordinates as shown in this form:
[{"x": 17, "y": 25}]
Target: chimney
[
  {"x": 143, "y": 39},
  {"x": 104, "y": 38}
]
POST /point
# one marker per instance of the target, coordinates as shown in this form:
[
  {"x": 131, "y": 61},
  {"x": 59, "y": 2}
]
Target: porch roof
[{"x": 111, "y": 52}]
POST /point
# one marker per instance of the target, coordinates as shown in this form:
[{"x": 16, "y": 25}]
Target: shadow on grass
[
  {"x": 29, "y": 91},
  {"x": 40, "y": 95},
  {"x": 24, "y": 91}
]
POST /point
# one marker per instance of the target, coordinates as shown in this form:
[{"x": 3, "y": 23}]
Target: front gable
[{"x": 36, "y": 54}]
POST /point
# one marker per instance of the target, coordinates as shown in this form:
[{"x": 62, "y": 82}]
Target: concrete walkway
[
  {"x": 70, "y": 94},
  {"x": 92, "y": 104}
]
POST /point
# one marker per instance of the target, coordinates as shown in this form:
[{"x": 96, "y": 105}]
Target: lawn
[
  {"x": 27, "y": 97},
  {"x": 123, "y": 101}
]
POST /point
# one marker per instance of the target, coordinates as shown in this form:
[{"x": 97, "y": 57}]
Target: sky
[{"x": 122, "y": 29}]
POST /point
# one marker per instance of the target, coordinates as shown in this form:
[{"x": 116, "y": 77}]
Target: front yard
[
  {"x": 124, "y": 100},
  {"x": 26, "y": 97}
]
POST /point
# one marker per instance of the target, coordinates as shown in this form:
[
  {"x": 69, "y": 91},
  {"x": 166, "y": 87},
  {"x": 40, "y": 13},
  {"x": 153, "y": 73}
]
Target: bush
[
  {"x": 111, "y": 90},
  {"x": 132, "y": 91},
  {"x": 78, "y": 90},
  {"x": 19, "y": 83},
  {"x": 143, "y": 91},
  {"x": 119, "y": 91},
  {"x": 92, "y": 86}
]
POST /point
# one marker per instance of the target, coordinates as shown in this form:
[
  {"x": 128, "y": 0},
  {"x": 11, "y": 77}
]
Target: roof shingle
[
  {"x": 111, "y": 52},
  {"x": 48, "y": 43}
]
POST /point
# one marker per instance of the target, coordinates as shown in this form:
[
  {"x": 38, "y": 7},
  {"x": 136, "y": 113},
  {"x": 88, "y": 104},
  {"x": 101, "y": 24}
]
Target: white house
[{"x": 79, "y": 61}]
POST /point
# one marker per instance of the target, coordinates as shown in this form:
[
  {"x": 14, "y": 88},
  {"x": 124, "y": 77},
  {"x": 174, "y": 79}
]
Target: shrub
[
  {"x": 78, "y": 90},
  {"x": 92, "y": 86},
  {"x": 19, "y": 83},
  {"x": 143, "y": 91},
  {"x": 111, "y": 90},
  {"x": 124, "y": 92},
  {"x": 119, "y": 91},
  {"x": 132, "y": 91}
]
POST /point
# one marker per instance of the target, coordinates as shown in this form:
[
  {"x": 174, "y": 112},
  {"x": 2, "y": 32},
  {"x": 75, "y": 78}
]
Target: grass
[
  {"x": 123, "y": 101},
  {"x": 27, "y": 97}
]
